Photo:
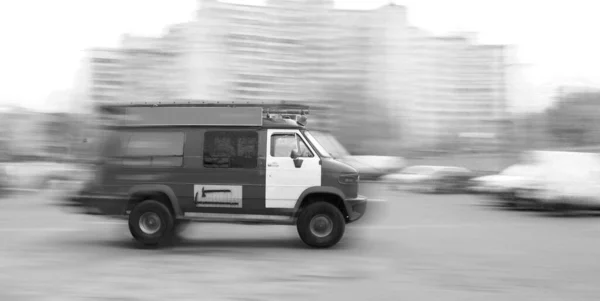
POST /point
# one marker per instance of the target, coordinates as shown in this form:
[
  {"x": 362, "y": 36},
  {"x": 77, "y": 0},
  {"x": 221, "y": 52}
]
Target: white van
[
  {"x": 572, "y": 180},
  {"x": 534, "y": 178}
]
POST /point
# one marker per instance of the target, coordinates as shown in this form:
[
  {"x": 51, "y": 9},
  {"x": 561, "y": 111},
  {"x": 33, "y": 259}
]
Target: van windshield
[
  {"x": 322, "y": 151},
  {"x": 334, "y": 147}
]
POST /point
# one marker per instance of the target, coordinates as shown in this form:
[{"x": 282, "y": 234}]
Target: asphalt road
[{"x": 419, "y": 247}]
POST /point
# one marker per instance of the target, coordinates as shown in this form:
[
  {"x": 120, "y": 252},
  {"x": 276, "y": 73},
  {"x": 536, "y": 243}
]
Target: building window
[
  {"x": 231, "y": 149},
  {"x": 156, "y": 149},
  {"x": 283, "y": 144}
]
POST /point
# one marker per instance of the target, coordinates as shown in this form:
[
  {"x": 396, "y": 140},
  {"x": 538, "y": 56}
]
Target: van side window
[
  {"x": 283, "y": 144},
  {"x": 163, "y": 149},
  {"x": 231, "y": 149}
]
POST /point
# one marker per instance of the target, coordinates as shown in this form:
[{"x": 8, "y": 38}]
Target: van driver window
[
  {"x": 231, "y": 149},
  {"x": 283, "y": 144}
]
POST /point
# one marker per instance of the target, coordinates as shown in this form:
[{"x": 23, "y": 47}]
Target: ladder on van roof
[{"x": 203, "y": 113}]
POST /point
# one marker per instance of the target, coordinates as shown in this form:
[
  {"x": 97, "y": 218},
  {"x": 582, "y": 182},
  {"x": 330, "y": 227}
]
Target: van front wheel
[
  {"x": 151, "y": 223},
  {"x": 321, "y": 225}
]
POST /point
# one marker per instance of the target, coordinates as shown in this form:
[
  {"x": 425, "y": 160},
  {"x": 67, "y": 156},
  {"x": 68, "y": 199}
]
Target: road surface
[{"x": 421, "y": 247}]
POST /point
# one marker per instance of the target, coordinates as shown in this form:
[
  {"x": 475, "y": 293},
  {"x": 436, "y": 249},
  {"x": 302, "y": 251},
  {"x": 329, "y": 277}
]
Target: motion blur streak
[{"x": 468, "y": 198}]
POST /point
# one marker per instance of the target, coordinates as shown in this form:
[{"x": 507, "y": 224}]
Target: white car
[
  {"x": 506, "y": 181},
  {"x": 427, "y": 178},
  {"x": 545, "y": 177},
  {"x": 573, "y": 181}
]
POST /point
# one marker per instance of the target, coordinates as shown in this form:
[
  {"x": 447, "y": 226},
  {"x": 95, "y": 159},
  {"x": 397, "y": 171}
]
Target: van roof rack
[
  {"x": 270, "y": 108},
  {"x": 202, "y": 113}
]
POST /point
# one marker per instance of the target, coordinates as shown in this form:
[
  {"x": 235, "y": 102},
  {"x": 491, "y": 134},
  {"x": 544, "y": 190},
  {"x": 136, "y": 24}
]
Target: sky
[{"x": 43, "y": 41}]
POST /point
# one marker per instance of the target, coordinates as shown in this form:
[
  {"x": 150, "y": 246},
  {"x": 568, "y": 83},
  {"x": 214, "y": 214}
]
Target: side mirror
[
  {"x": 294, "y": 154},
  {"x": 298, "y": 163},
  {"x": 296, "y": 157}
]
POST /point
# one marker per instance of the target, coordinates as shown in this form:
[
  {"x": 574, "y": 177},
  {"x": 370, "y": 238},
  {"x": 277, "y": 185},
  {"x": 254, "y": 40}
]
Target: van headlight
[{"x": 349, "y": 179}]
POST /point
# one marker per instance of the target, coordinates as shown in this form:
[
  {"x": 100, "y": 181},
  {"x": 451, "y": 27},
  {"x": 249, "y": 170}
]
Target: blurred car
[
  {"x": 572, "y": 180},
  {"x": 508, "y": 185},
  {"x": 539, "y": 175},
  {"x": 502, "y": 182},
  {"x": 432, "y": 179},
  {"x": 35, "y": 175},
  {"x": 369, "y": 167},
  {"x": 69, "y": 177}
]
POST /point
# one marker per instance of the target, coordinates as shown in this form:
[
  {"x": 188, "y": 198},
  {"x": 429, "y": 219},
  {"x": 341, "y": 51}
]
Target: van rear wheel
[
  {"x": 321, "y": 225},
  {"x": 151, "y": 223}
]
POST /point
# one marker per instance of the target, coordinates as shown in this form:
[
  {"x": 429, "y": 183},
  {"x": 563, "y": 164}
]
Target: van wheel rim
[
  {"x": 150, "y": 223},
  {"x": 321, "y": 225}
]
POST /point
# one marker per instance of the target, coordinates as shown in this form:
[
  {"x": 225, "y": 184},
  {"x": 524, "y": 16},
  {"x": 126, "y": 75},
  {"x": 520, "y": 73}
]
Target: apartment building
[
  {"x": 106, "y": 74},
  {"x": 408, "y": 86},
  {"x": 390, "y": 77},
  {"x": 436, "y": 89},
  {"x": 458, "y": 91},
  {"x": 263, "y": 54},
  {"x": 153, "y": 68}
]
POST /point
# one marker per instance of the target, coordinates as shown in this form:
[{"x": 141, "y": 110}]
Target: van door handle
[{"x": 273, "y": 165}]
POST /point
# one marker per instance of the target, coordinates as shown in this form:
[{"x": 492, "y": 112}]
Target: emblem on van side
[{"x": 224, "y": 196}]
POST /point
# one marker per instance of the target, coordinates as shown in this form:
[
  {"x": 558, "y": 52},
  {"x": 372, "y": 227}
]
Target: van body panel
[
  {"x": 285, "y": 181},
  {"x": 220, "y": 171}
]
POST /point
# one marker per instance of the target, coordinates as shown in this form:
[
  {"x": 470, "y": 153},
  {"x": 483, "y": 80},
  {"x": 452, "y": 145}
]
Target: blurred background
[
  {"x": 489, "y": 102},
  {"x": 458, "y": 87}
]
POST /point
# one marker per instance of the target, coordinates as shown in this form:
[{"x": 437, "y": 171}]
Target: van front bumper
[
  {"x": 356, "y": 208},
  {"x": 112, "y": 205}
]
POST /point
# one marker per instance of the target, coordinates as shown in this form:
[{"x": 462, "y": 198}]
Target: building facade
[
  {"x": 458, "y": 91},
  {"x": 106, "y": 74},
  {"x": 264, "y": 54},
  {"x": 152, "y": 68},
  {"x": 405, "y": 86},
  {"x": 436, "y": 89}
]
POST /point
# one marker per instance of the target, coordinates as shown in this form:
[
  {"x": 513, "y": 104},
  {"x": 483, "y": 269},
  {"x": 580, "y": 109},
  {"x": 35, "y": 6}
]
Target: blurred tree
[
  {"x": 530, "y": 131},
  {"x": 573, "y": 119}
]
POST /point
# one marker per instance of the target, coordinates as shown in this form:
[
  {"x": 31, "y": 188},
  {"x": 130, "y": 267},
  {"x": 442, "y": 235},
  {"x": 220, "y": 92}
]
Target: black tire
[
  {"x": 321, "y": 210},
  {"x": 163, "y": 234}
]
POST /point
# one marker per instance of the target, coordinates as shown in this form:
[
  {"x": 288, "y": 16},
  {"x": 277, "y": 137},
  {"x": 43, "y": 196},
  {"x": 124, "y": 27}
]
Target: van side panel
[
  {"x": 222, "y": 190},
  {"x": 198, "y": 186},
  {"x": 121, "y": 173}
]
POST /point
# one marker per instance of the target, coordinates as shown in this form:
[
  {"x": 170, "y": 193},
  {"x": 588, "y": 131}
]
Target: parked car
[
  {"x": 502, "y": 182},
  {"x": 570, "y": 181},
  {"x": 539, "y": 175},
  {"x": 369, "y": 167},
  {"x": 431, "y": 179}
]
